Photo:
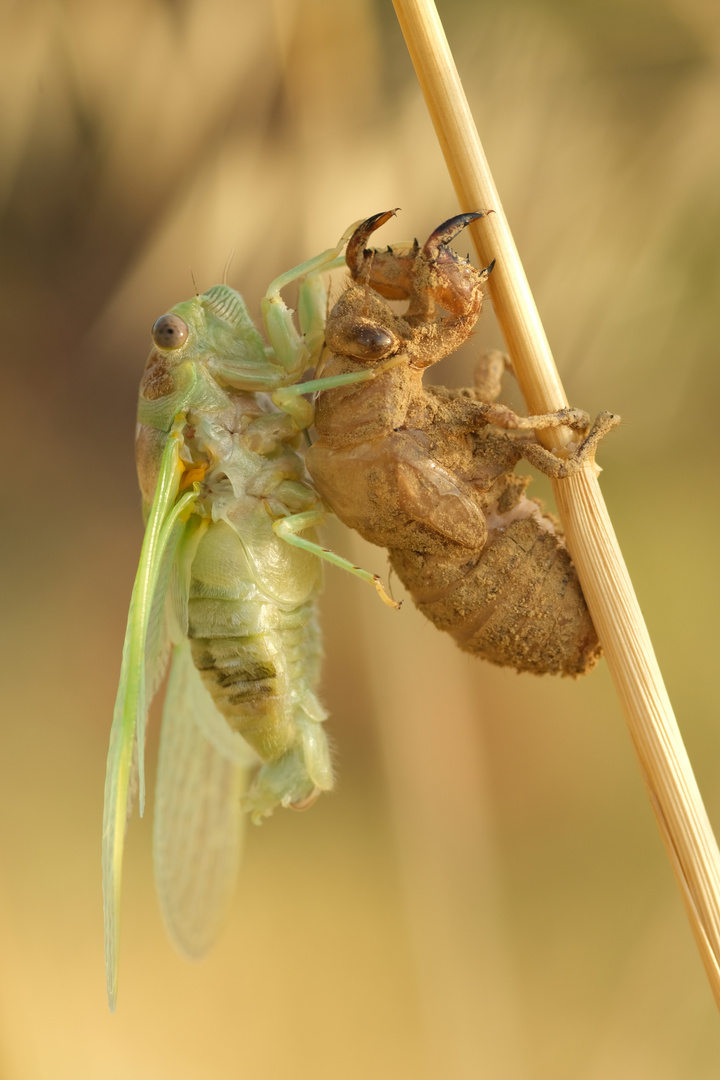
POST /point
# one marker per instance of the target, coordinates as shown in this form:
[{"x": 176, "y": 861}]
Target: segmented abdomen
[
  {"x": 259, "y": 659},
  {"x": 517, "y": 602}
]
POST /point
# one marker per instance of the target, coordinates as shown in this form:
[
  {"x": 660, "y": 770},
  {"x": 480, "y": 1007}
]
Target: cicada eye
[
  {"x": 360, "y": 338},
  {"x": 170, "y": 332}
]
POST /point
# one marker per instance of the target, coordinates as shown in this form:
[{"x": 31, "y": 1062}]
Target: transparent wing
[
  {"x": 176, "y": 608},
  {"x": 158, "y": 640},
  {"x": 203, "y": 773},
  {"x": 128, "y": 726}
]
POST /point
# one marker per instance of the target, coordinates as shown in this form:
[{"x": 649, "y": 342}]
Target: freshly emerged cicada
[
  {"x": 227, "y": 589},
  {"x": 428, "y": 472}
]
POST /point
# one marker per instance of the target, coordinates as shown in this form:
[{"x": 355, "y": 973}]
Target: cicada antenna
[{"x": 226, "y": 270}]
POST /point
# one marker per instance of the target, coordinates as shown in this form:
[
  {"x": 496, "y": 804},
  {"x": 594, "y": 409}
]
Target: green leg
[
  {"x": 313, "y": 309},
  {"x": 288, "y": 398},
  {"x": 296, "y": 350},
  {"x": 287, "y": 529}
]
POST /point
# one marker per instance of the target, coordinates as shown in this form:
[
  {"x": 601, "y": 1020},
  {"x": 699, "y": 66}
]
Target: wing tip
[{"x": 111, "y": 973}]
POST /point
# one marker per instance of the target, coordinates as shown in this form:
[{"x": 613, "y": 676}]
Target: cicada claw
[
  {"x": 425, "y": 276},
  {"x": 435, "y": 245},
  {"x": 306, "y": 801},
  {"x": 389, "y": 272},
  {"x": 452, "y": 282}
]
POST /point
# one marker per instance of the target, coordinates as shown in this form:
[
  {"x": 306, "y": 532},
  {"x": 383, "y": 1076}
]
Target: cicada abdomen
[{"x": 254, "y": 637}]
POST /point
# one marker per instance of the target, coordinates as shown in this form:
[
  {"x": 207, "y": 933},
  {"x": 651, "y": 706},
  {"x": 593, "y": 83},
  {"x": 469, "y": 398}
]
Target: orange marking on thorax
[{"x": 192, "y": 474}]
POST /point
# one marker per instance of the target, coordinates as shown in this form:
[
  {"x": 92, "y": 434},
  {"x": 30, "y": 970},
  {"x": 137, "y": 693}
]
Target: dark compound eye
[
  {"x": 371, "y": 342},
  {"x": 361, "y": 338},
  {"x": 169, "y": 332}
]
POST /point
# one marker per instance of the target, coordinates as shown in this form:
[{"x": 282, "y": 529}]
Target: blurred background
[{"x": 486, "y": 893}]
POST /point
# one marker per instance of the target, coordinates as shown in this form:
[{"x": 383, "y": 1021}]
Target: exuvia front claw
[{"x": 433, "y": 274}]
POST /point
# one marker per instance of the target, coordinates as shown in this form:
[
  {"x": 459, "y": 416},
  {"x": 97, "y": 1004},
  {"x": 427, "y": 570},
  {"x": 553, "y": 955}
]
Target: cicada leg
[
  {"x": 298, "y": 349},
  {"x": 287, "y": 528},
  {"x": 487, "y": 388},
  {"x": 558, "y": 468},
  {"x": 289, "y": 399}
]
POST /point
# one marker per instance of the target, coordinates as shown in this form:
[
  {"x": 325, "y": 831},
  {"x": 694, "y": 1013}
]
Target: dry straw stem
[{"x": 664, "y": 763}]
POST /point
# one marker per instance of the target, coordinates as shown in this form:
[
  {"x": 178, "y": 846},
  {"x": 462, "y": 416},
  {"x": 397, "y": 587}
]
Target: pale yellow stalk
[{"x": 664, "y": 764}]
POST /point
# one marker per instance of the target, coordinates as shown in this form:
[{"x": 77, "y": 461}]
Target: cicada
[
  {"x": 428, "y": 472},
  {"x": 226, "y": 592}
]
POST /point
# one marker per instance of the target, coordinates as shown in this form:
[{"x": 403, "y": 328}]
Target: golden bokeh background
[{"x": 486, "y": 894}]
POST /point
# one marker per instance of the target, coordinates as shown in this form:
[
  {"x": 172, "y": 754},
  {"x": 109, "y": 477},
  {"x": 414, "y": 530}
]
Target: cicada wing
[
  {"x": 158, "y": 640},
  {"x": 203, "y": 773},
  {"x": 176, "y": 607},
  {"x": 128, "y": 726}
]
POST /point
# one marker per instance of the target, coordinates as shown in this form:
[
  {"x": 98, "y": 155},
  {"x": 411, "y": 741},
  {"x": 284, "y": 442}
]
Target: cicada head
[
  {"x": 200, "y": 346},
  {"x": 215, "y": 324}
]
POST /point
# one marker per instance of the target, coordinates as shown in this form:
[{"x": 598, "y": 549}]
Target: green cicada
[{"x": 226, "y": 590}]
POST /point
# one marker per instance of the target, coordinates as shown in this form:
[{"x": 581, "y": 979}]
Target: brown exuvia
[{"x": 427, "y": 472}]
